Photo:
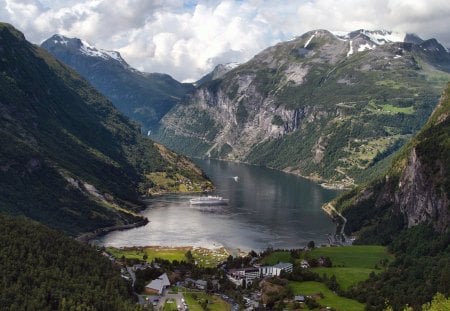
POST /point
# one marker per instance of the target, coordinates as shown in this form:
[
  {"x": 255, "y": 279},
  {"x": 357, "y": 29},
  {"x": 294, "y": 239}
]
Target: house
[
  {"x": 238, "y": 276},
  {"x": 282, "y": 266},
  {"x": 276, "y": 270},
  {"x": 137, "y": 267},
  {"x": 299, "y": 298},
  {"x": 304, "y": 264},
  {"x": 200, "y": 284},
  {"x": 157, "y": 286}
]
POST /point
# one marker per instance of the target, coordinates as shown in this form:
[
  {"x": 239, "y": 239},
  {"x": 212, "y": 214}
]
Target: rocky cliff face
[
  {"x": 419, "y": 197},
  {"x": 416, "y": 189},
  {"x": 324, "y": 106}
]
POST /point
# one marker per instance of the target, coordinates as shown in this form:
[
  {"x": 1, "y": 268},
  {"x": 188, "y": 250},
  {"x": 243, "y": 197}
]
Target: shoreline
[
  {"x": 87, "y": 237},
  {"x": 337, "y": 217},
  {"x": 326, "y": 184}
]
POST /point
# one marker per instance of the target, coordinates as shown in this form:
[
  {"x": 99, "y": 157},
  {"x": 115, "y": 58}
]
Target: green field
[
  {"x": 351, "y": 264},
  {"x": 170, "y": 254},
  {"x": 195, "y": 300},
  {"x": 204, "y": 257},
  {"x": 170, "y": 305},
  {"x": 276, "y": 257},
  {"x": 330, "y": 299},
  {"x": 388, "y": 108},
  {"x": 357, "y": 256},
  {"x": 346, "y": 277}
]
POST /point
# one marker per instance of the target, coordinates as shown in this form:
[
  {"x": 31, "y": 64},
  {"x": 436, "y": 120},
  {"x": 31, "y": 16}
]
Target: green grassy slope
[
  {"x": 329, "y": 299},
  {"x": 375, "y": 208}
]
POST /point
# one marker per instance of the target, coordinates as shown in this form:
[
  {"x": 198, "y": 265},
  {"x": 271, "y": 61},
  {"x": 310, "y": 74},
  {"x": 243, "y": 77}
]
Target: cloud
[{"x": 188, "y": 38}]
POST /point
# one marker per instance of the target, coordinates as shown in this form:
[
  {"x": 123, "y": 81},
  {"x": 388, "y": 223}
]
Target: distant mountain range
[
  {"x": 331, "y": 107},
  {"x": 69, "y": 159},
  {"x": 144, "y": 97}
]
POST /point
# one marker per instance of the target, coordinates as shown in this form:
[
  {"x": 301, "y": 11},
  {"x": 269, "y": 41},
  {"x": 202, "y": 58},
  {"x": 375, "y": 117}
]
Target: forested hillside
[
  {"x": 409, "y": 210},
  {"x": 44, "y": 270},
  {"x": 69, "y": 159}
]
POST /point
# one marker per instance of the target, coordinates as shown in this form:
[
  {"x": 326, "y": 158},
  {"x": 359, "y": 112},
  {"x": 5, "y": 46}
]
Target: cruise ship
[{"x": 209, "y": 200}]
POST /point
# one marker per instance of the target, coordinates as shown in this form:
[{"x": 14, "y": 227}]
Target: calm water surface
[{"x": 267, "y": 208}]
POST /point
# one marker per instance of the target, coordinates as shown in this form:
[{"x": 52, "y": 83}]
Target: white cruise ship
[{"x": 209, "y": 200}]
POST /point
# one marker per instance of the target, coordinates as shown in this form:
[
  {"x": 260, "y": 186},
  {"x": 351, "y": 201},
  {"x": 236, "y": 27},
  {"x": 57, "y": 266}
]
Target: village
[{"x": 300, "y": 279}]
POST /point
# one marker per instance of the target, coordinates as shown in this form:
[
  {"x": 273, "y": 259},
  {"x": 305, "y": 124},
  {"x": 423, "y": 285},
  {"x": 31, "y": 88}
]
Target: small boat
[
  {"x": 236, "y": 178},
  {"x": 209, "y": 200}
]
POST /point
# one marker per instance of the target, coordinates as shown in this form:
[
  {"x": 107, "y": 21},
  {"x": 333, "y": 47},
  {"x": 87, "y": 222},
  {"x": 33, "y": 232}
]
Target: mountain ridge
[
  {"x": 144, "y": 97},
  {"x": 69, "y": 159},
  {"x": 310, "y": 107}
]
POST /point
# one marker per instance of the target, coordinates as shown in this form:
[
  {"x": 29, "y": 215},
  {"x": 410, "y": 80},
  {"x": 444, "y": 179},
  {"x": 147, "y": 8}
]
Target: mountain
[
  {"x": 69, "y": 159},
  {"x": 415, "y": 190},
  {"x": 330, "y": 107},
  {"x": 218, "y": 72},
  {"x": 144, "y": 97},
  {"x": 408, "y": 209}
]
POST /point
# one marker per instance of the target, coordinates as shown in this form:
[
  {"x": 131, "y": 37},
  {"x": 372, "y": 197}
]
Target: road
[
  {"x": 133, "y": 278},
  {"x": 178, "y": 298}
]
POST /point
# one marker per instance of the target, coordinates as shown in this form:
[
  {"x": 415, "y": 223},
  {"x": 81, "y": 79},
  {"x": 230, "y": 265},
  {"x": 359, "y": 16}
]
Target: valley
[
  {"x": 103, "y": 153},
  {"x": 310, "y": 108}
]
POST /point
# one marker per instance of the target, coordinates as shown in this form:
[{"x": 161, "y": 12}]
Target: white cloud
[{"x": 188, "y": 38}]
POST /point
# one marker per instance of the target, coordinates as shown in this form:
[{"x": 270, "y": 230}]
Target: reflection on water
[{"x": 266, "y": 208}]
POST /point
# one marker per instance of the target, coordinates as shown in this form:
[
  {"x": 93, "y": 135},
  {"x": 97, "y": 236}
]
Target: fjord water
[{"x": 267, "y": 208}]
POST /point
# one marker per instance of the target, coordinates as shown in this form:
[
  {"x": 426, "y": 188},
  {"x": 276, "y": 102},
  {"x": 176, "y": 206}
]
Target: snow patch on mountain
[
  {"x": 309, "y": 40},
  {"x": 381, "y": 37},
  {"x": 60, "y": 40},
  {"x": 87, "y": 49},
  {"x": 350, "y": 52},
  {"x": 366, "y": 46}
]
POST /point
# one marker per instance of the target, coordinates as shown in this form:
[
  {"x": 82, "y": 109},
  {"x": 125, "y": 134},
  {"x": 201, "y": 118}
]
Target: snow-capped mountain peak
[
  {"x": 378, "y": 37},
  {"x": 85, "y": 48}
]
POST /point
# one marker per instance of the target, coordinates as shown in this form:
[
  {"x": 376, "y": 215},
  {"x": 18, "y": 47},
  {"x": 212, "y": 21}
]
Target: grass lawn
[
  {"x": 393, "y": 109},
  {"x": 330, "y": 299},
  {"x": 346, "y": 277},
  {"x": 351, "y": 264},
  {"x": 276, "y": 257},
  {"x": 357, "y": 256},
  {"x": 204, "y": 257},
  {"x": 170, "y": 254},
  {"x": 194, "y": 300},
  {"x": 170, "y": 305},
  {"x": 209, "y": 258}
]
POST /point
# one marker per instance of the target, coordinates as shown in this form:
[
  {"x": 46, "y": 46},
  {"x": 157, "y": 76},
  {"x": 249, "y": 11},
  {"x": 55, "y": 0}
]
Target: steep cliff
[
  {"x": 328, "y": 107},
  {"x": 416, "y": 189}
]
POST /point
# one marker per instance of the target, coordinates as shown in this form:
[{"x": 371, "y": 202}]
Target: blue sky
[{"x": 187, "y": 38}]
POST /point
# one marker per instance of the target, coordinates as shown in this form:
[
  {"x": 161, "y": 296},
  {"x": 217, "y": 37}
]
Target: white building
[
  {"x": 157, "y": 286},
  {"x": 276, "y": 270},
  {"x": 237, "y": 276}
]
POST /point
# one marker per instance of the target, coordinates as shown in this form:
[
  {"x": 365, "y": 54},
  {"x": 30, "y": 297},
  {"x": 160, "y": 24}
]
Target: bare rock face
[{"x": 419, "y": 198}]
